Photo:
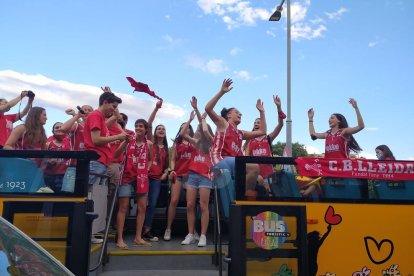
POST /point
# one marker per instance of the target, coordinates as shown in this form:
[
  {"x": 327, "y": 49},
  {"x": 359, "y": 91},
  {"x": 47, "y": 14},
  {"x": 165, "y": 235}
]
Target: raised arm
[
  {"x": 360, "y": 126},
  {"x": 262, "y": 129},
  {"x": 69, "y": 125},
  {"x": 280, "y": 116},
  {"x": 193, "y": 103},
  {"x": 6, "y": 107},
  {"x": 26, "y": 108},
  {"x": 183, "y": 132},
  {"x": 204, "y": 126},
  {"x": 151, "y": 119},
  {"x": 312, "y": 131},
  {"x": 219, "y": 121}
]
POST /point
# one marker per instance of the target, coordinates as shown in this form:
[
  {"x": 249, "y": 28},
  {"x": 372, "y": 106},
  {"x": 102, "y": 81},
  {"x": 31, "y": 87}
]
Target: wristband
[{"x": 282, "y": 115}]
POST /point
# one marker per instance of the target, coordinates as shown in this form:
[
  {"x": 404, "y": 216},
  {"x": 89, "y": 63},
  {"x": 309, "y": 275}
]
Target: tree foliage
[{"x": 298, "y": 150}]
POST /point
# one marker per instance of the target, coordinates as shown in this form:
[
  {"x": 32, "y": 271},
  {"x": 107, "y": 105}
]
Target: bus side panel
[{"x": 376, "y": 237}]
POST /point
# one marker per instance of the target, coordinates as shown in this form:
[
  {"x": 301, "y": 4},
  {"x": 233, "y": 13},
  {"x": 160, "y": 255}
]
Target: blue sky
[{"x": 66, "y": 50}]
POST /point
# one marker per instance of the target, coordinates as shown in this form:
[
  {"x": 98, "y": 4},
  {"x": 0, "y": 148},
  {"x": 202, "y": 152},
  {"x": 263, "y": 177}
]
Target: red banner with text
[{"x": 356, "y": 168}]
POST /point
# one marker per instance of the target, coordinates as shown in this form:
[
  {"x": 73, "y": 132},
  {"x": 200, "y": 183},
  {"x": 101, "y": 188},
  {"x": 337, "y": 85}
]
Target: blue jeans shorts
[
  {"x": 129, "y": 190},
  {"x": 99, "y": 168},
  {"x": 197, "y": 181},
  {"x": 228, "y": 163}
]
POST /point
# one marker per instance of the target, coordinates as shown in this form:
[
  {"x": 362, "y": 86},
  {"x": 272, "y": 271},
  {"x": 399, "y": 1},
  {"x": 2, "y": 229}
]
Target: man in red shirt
[
  {"x": 97, "y": 138},
  {"x": 6, "y": 121}
]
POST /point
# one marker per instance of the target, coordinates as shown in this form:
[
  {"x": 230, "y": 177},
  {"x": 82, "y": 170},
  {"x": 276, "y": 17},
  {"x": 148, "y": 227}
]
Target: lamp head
[{"x": 277, "y": 14}]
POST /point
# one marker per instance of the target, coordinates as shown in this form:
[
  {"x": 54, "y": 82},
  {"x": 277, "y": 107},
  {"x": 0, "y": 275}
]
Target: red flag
[{"x": 142, "y": 87}]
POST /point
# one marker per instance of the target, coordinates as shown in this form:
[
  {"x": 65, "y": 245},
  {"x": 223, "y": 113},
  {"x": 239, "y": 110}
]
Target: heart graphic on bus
[
  {"x": 331, "y": 218},
  {"x": 380, "y": 252}
]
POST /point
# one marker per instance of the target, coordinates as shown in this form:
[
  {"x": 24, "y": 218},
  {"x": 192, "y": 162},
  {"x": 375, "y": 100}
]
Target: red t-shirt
[
  {"x": 260, "y": 147},
  {"x": 115, "y": 129},
  {"x": 159, "y": 155},
  {"x": 336, "y": 146},
  {"x": 226, "y": 143},
  {"x": 201, "y": 164},
  {"x": 76, "y": 138},
  {"x": 6, "y": 126},
  {"x": 96, "y": 121},
  {"x": 60, "y": 164},
  {"x": 184, "y": 153}
]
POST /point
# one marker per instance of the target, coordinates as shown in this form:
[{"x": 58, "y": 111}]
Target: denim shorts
[
  {"x": 197, "y": 181},
  {"x": 183, "y": 179},
  {"x": 129, "y": 190},
  {"x": 228, "y": 163},
  {"x": 99, "y": 168}
]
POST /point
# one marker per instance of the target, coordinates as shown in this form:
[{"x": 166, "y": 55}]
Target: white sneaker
[
  {"x": 196, "y": 236},
  {"x": 189, "y": 239},
  {"x": 203, "y": 241},
  {"x": 96, "y": 241},
  {"x": 167, "y": 235}
]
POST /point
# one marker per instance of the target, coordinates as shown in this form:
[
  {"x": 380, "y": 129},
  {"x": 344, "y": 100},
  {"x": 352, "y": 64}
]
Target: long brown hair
[
  {"x": 35, "y": 132},
  {"x": 157, "y": 149},
  {"x": 343, "y": 123},
  {"x": 204, "y": 143}
]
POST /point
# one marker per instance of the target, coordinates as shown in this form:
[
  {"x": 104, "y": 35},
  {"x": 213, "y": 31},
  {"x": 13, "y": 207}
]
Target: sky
[{"x": 65, "y": 51}]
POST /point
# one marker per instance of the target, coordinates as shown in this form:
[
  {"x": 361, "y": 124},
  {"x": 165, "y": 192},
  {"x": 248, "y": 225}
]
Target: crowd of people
[{"x": 139, "y": 160}]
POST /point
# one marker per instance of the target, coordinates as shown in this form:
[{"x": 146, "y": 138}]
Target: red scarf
[{"x": 142, "y": 168}]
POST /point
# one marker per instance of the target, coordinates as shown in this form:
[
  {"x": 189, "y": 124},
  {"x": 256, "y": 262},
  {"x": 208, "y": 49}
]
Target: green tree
[{"x": 298, "y": 150}]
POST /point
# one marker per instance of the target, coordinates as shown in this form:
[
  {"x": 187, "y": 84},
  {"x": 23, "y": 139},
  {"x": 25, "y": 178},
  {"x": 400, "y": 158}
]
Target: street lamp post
[{"x": 276, "y": 17}]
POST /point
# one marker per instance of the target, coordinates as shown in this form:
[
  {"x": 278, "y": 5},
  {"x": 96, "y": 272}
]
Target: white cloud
[
  {"x": 270, "y": 33},
  {"x": 317, "y": 20},
  {"x": 213, "y": 66},
  {"x": 312, "y": 150},
  {"x": 261, "y": 77},
  {"x": 336, "y": 15},
  {"x": 410, "y": 158},
  {"x": 298, "y": 11},
  {"x": 235, "y": 51},
  {"x": 168, "y": 17},
  {"x": 242, "y": 74},
  {"x": 372, "y": 44},
  {"x": 237, "y": 13},
  {"x": 306, "y": 31},
  {"x": 375, "y": 42},
  {"x": 171, "y": 41},
  {"x": 61, "y": 95},
  {"x": 231, "y": 24},
  {"x": 234, "y": 12}
]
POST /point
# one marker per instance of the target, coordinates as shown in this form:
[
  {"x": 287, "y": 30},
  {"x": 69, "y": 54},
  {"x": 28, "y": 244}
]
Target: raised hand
[
  {"x": 311, "y": 113},
  {"x": 70, "y": 111},
  {"x": 353, "y": 102},
  {"x": 277, "y": 101},
  {"x": 106, "y": 89},
  {"x": 226, "y": 86},
  {"x": 159, "y": 104},
  {"x": 259, "y": 105},
  {"x": 193, "y": 102}
]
